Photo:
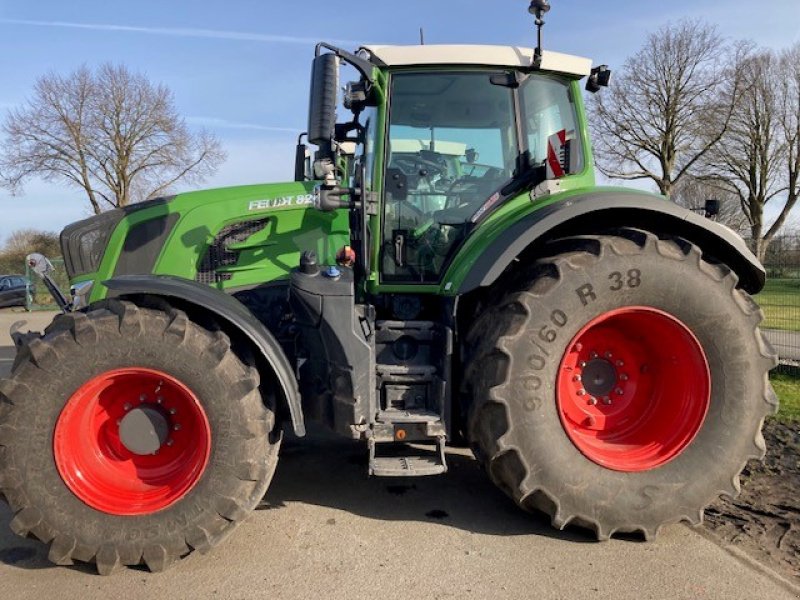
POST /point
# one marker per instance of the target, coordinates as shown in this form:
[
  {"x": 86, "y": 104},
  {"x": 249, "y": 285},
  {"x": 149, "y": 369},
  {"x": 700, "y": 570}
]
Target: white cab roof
[{"x": 495, "y": 56}]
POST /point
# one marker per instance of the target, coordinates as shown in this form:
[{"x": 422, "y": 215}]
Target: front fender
[
  {"x": 593, "y": 212},
  {"x": 233, "y": 313}
]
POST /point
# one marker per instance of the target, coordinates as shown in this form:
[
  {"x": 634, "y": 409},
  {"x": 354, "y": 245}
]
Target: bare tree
[
  {"x": 22, "y": 242},
  {"x": 655, "y": 122},
  {"x": 25, "y": 241},
  {"x": 112, "y": 133},
  {"x": 789, "y": 125},
  {"x": 750, "y": 159}
]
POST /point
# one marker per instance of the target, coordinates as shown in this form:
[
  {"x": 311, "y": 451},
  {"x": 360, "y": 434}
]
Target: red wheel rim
[
  {"x": 102, "y": 471},
  {"x": 633, "y": 389}
]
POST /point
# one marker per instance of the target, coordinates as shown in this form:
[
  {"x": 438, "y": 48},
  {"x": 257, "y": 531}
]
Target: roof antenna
[
  {"x": 421, "y": 36},
  {"x": 539, "y": 8}
]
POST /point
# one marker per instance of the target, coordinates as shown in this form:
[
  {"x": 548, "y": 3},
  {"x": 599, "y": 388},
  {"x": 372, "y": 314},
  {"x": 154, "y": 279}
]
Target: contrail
[
  {"x": 226, "y": 124},
  {"x": 241, "y": 36}
]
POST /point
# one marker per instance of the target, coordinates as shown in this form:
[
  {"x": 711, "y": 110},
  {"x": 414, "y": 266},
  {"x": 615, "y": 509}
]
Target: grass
[
  {"x": 786, "y": 383},
  {"x": 780, "y": 301}
]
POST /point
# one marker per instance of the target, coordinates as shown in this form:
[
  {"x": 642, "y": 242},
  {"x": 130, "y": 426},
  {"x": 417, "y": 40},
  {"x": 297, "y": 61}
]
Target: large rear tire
[
  {"x": 77, "y": 466},
  {"x": 620, "y": 385}
]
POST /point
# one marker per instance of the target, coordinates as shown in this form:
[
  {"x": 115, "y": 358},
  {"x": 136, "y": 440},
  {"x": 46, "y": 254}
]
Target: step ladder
[{"x": 394, "y": 430}]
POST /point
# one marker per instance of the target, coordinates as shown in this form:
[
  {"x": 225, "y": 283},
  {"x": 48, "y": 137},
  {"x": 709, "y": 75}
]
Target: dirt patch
[{"x": 764, "y": 520}]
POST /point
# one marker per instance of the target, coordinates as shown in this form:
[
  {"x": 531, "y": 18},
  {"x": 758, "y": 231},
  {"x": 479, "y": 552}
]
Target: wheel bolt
[
  {"x": 160, "y": 400},
  {"x": 593, "y": 401},
  {"x": 177, "y": 427},
  {"x": 127, "y": 406},
  {"x": 577, "y": 378},
  {"x": 620, "y": 392},
  {"x": 624, "y": 377},
  {"x": 593, "y": 355},
  {"x": 582, "y": 364},
  {"x": 173, "y": 411},
  {"x": 143, "y": 398},
  {"x": 620, "y": 363},
  {"x": 607, "y": 401},
  {"x": 170, "y": 442},
  {"x": 581, "y": 392},
  {"x": 608, "y": 355}
]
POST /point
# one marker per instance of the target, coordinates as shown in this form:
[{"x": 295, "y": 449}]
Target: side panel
[
  {"x": 495, "y": 246},
  {"x": 233, "y": 312},
  {"x": 230, "y": 239}
]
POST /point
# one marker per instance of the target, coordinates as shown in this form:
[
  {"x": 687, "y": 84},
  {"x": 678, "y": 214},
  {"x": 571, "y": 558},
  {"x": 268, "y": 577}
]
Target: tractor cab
[{"x": 445, "y": 136}]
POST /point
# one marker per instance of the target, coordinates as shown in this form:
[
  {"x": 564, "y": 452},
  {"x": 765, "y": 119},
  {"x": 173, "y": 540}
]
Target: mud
[{"x": 764, "y": 521}]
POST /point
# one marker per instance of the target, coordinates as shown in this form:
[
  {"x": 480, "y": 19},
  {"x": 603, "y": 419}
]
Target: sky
[{"x": 240, "y": 68}]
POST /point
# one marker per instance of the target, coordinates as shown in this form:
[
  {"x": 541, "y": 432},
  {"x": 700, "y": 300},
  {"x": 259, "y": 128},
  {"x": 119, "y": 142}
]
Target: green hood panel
[{"x": 264, "y": 230}]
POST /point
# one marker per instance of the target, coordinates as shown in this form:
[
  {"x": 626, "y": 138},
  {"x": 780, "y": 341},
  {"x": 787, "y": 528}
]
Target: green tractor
[{"x": 442, "y": 270}]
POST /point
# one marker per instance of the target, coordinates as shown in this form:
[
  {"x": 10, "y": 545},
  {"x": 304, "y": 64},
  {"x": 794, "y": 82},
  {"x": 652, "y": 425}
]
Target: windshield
[{"x": 452, "y": 144}]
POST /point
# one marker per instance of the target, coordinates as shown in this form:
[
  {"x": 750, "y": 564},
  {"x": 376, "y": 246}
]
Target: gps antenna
[{"x": 539, "y": 8}]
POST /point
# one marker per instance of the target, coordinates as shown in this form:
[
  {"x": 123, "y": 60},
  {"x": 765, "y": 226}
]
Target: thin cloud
[
  {"x": 241, "y": 36},
  {"x": 226, "y": 124}
]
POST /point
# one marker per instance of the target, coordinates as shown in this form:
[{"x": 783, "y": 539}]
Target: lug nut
[
  {"x": 160, "y": 400},
  {"x": 582, "y": 364},
  {"x": 127, "y": 406},
  {"x": 624, "y": 377},
  {"x": 170, "y": 442},
  {"x": 143, "y": 398},
  {"x": 581, "y": 392},
  {"x": 620, "y": 392},
  {"x": 608, "y": 355},
  {"x": 593, "y": 401},
  {"x": 620, "y": 363},
  {"x": 607, "y": 401},
  {"x": 173, "y": 411},
  {"x": 177, "y": 427},
  {"x": 577, "y": 378},
  {"x": 593, "y": 355}
]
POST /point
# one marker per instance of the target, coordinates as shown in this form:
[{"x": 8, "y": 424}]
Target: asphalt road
[{"x": 327, "y": 531}]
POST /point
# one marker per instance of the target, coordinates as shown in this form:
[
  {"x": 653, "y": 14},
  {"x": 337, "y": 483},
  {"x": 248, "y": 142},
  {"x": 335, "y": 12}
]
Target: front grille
[
  {"x": 83, "y": 244},
  {"x": 219, "y": 255}
]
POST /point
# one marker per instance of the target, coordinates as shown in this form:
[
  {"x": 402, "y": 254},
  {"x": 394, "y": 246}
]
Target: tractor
[{"x": 442, "y": 270}]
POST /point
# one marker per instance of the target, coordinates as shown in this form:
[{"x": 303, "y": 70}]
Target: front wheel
[
  {"x": 130, "y": 435},
  {"x": 621, "y": 385}
]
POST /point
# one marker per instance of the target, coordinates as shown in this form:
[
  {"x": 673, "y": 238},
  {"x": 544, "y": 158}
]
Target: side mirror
[
  {"x": 39, "y": 264},
  {"x": 322, "y": 106}
]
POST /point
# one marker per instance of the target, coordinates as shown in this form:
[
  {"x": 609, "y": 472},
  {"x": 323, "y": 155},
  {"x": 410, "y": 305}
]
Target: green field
[
  {"x": 780, "y": 301},
  {"x": 787, "y": 386}
]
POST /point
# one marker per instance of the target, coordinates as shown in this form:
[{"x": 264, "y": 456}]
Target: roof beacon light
[{"x": 539, "y": 8}]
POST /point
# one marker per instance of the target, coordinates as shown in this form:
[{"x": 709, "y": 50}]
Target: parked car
[{"x": 14, "y": 290}]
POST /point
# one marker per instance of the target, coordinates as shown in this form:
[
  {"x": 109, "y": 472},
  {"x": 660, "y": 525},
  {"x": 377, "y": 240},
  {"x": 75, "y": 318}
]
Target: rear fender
[
  {"x": 232, "y": 312},
  {"x": 594, "y": 212}
]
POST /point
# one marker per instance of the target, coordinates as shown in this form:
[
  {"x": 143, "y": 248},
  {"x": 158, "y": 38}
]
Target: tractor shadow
[{"x": 328, "y": 471}]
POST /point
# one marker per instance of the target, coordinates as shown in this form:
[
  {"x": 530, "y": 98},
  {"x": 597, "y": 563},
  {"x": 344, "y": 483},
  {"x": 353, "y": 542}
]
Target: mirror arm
[{"x": 361, "y": 65}]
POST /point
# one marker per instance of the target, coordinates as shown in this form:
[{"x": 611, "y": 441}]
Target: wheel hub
[
  {"x": 599, "y": 377},
  {"x": 144, "y": 430}
]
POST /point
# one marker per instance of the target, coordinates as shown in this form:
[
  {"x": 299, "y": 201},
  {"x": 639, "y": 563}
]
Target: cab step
[{"x": 417, "y": 465}]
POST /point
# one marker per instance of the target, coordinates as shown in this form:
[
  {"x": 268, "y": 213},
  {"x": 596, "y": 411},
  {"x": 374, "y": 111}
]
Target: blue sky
[{"x": 241, "y": 68}]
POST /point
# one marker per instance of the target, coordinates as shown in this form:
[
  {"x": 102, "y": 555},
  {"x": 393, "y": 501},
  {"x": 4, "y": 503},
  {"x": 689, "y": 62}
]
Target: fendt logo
[{"x": 303, "y": 200}]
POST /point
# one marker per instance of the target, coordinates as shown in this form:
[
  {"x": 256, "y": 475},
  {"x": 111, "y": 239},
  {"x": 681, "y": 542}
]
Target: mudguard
[
  {"x": 595, "y": 211},
  {"x": 230, "y": 310}
]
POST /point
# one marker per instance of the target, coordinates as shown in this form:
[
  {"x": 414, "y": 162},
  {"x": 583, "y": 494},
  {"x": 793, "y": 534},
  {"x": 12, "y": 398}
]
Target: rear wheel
[
  {"x": 132, "y": 435},
  {"x": 620, "y": 385}
]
